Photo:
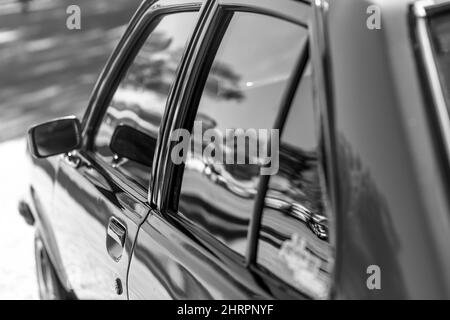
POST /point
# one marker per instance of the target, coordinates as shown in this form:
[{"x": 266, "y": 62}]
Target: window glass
[
  {"x": 440, "y": 30},
  {"x": 127, "y": 135},
  {"x": 294, "y": 236},
  {"x": 244, "y": 89}
]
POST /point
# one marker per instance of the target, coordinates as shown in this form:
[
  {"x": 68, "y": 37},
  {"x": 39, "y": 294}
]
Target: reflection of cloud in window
[
  {"x": 147, "y": 101},
  {"x": 259, "y": 83},
  {"x": 302, "y": 116},
  {"x": 257, "y": 46},
  {"x": 156, "y": 65}
]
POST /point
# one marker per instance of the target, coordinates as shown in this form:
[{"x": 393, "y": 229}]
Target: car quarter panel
[
  {"x": 393, "y": 210},
  {"x": 40, "y": 199},
  {"x": 168, "y": 264}
]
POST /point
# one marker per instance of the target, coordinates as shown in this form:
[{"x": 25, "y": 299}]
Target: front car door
[
  {"x": 201, "y": 241},
  {"x": 101, "y": 191}
]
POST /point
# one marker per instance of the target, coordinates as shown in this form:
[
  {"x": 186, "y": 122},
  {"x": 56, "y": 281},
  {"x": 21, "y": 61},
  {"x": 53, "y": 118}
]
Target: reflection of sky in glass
[
  {"x": 302, "y": 117},
  {"x": 244, "y": 89},
  {"x": 270, "y": 45},
  {"x": 288, "y": 245},
  {"x": 263, "y": 64},
  {"x": 147, "y": 101},
  {"x": 137, "y": 101}
]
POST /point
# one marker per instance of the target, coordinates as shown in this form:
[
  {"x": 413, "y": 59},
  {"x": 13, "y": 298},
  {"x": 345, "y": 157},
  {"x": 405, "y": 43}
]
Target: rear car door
[
  {"x": 201, "y": 240},
  {"x": 101, "y": 191}
]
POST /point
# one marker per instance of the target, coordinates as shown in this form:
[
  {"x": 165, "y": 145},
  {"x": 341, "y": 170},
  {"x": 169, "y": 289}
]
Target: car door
[
  {"x": 101, "y": 191},
  {"x": 198, "y": 242}
]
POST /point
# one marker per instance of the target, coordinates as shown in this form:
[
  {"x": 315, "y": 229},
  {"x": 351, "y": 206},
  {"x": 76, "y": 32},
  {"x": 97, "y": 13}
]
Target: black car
[{"x": 357, "y": 208}]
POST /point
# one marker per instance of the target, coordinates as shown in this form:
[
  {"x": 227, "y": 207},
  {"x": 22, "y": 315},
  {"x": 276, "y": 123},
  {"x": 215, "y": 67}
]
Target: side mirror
[
  {"x": 130, "y": 143},
  {"x": 54, "y": 137}
]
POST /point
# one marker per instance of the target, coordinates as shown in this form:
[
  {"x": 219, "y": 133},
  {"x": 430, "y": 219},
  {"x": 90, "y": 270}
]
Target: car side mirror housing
[
  {"x": 130, "y": 143},
  {"x": 54, "y": 137}
]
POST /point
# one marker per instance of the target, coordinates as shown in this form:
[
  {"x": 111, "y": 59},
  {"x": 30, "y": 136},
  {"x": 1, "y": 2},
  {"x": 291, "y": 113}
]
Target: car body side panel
[
  {"x": 168, "y": 264},
  {"x": 170, "y": 258},
  {"x": 86, "y": 198},
  {"x": 392, "y": 212},
  {"x": 40, "y": 200}
]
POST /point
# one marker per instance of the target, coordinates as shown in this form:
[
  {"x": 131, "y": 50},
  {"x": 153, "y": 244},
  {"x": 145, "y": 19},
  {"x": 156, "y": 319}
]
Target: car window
[
  {"x": 244, "y": 88},
  {"x": 440, "y": 32},
  {"x": 294, "y": 236},
  {"x": 127, "y": 136}
]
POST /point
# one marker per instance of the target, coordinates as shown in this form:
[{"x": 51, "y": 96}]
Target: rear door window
[
  {"x": 294, "y": 239},
  {"x": 244, "y": 90}
]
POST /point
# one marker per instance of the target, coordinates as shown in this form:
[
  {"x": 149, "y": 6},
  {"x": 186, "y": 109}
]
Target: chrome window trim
[
  {"x": 323, "y": 103},
  {"x": 422, "y": 10},
  {"x": 187, "y": 67},
  {"x": 209, "y": 12},
  {"x": 120, "y": 57},
  {"x": 287, "y": 10}
]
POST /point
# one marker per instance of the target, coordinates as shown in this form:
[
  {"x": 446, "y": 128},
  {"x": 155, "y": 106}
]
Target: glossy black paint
[
  {"x": 386, "y": 188},
  {"x": 220, "y": 286},
  {"x": 54, "y": 137},
  {"x": 85, "y": 199}
]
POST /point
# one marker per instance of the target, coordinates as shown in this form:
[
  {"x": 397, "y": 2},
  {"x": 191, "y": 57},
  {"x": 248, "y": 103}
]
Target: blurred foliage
[{"x": 46, "y": 70}]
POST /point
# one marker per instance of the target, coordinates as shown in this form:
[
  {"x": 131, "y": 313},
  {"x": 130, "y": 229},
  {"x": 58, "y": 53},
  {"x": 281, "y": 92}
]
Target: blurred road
[{"x": 47, "y": 70}]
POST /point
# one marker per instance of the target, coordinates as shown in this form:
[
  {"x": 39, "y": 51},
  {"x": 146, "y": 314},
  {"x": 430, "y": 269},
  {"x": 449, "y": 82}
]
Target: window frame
[
  {"x": 169, "y": 180},
  {"x": 420, "y": 13},
  {"x": 138, "y": 31},
  {"x": 296, "y": 12},
  {"x": 284, "y": 289}
]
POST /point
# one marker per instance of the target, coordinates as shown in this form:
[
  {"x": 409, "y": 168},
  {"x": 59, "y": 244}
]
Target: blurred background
[{"x": 46, "y": 71}]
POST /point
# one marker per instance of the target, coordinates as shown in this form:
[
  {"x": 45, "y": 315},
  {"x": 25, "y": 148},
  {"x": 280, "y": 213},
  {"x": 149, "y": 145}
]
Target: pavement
[{"x": 46, "y": 71}]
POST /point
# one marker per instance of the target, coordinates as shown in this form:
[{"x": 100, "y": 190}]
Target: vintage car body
[{"x": 384, "y": 163}]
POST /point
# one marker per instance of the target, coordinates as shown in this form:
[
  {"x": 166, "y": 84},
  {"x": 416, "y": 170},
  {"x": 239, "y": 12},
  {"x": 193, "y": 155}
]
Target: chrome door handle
[{"x": 115, "y": 238}]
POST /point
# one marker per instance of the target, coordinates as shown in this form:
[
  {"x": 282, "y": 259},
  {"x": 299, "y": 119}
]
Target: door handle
[
  {"x": 115, "y": 238},
  {"x": 72, "y": 160}
]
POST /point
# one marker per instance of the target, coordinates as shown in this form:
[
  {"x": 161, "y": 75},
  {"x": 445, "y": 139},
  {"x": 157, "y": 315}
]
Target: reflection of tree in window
[
  {"x": 223, "y": 83},
  {"x": 244, "y": 89},
  {"x": 140, "y": 99},
  {"x": 294, "y": 230},
  {"x": 155, "y": 66}
]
